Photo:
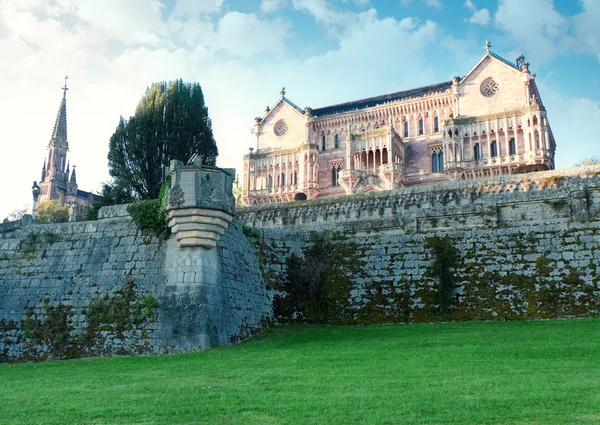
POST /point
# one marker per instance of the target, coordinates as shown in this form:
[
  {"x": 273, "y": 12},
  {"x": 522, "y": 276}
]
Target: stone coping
[{"x": 569, "y": 173}]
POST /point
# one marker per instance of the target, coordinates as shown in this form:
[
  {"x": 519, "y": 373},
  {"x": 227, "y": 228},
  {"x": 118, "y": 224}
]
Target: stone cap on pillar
[
  {"x": 200, "y": 203},
  {"x": 201, "y": 186}
]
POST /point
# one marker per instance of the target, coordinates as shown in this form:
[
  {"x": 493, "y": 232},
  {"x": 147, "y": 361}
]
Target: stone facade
[
  {"x": 491, "y": 122},
  {"x": 58, "y": 181}
]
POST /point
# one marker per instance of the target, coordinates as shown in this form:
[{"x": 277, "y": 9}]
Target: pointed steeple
[
  {"x": 59, "y": 134},
  {"x": 73, "y": 176},
  {"x": 43, "y": 171}
]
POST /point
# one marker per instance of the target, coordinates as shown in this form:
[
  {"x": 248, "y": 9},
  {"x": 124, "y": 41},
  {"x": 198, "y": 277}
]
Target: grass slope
[{"x": 458, "y": 373}]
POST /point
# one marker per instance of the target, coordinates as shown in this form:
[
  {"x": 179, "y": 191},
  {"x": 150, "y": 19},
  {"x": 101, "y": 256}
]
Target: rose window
[
  {"x": 489, "y": 87},
  {"x": 280, "y": 128}
]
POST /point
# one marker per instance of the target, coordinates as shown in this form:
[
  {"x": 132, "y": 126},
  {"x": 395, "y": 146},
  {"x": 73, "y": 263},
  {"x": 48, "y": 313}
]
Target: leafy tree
[
  {"x": 18, "y": 213},
  {"x": 110, "y": 194},
  {"x": 171, "y": 122},
  {"x": 52, "y": 211},
  {"x": 588, "y": 161}
]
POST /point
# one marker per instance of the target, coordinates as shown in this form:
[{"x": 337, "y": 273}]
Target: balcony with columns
[{"x": 374, "y": 161}]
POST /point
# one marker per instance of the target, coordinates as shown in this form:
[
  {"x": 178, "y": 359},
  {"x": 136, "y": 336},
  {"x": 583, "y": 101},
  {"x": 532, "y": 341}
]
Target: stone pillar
[
  {"x": 35, "y": 191},
  {"x": 200, "y": 203}
]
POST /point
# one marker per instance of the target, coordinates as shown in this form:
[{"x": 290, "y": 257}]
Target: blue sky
[{"x": 243, "y": 51}]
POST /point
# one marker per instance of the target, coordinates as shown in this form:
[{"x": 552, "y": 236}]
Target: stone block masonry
[
  {"x": 108, "y": 288},
  {"x": 508, "y": 248},
  {"x": 526, "y": 247}
]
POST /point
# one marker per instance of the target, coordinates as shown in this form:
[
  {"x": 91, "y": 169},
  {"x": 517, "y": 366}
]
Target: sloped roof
[
  {"x": 86, "y": 195},
  {"x": 289, "y": 102},
  {"x": 493, "y": 55},
  {"x": 378, "y": 100}
]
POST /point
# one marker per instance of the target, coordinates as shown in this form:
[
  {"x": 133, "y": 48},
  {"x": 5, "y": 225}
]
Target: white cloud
[
  {"x": 536, "y": 26},
  {"x": 434, "y": 4},
  {"x": 193, "y": 8},
  {"x": 245, "y": 35},
  {"x": 269, "y": 6},
  {"x": 320, "y": 10},
  {"x": 470, "y": 5},
  {"x": 573, "y": 121},
  {"x": 587, "y": 28},
  {"x": 481, "y": 17}
]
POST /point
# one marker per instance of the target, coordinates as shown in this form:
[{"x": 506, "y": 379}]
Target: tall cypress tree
[{"x": 170, "y": 122}]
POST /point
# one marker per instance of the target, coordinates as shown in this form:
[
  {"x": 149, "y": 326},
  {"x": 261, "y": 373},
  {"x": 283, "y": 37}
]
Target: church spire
[
  {"x": 73, "y": 176},
  {"x": 59, "y": 134}
]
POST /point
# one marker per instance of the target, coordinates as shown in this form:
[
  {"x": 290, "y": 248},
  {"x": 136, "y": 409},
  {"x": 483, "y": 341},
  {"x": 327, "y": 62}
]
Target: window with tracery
[
  {"x": 437, "y": 160},
  {"x": 489, "y": 87},
  {"x": 494, "y": 149},
  {"x": 280, "y": 128},
  {"x": 335, "y": 174}
]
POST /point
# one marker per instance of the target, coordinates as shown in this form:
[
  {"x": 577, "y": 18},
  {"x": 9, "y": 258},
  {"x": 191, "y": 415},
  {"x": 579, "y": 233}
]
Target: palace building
[{"x": 491, "y": 122}]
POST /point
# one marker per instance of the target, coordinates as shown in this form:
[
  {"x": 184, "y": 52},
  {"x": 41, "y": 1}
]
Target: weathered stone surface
[{"x": 204, "y": 299}]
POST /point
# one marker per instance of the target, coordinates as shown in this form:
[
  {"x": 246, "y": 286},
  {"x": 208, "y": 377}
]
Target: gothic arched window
[
  {"x": 512, "y": 148},
  {"x": 405, "y": 128},
  {"x": 436, "y": 124},
  {"x": 420, "y": 127},
  {"x": 434, "y": 162},
  {"x": 476, "y": 151},
  {"x": 323, "y": 143},
  {"x": 494, "y": 149},
  {"x": 270, "y": 182},
  {"x": 337, "y": 142},
  {"x": 441, "y": 161}
]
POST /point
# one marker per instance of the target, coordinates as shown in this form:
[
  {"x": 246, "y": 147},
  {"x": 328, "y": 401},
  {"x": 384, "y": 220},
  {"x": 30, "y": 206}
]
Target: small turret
[
  {"x": 73, "y": 178},
  {"x": 72, "y": 184}
]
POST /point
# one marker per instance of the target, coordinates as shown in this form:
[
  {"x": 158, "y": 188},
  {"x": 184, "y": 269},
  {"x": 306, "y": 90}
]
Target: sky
[{"x": 243, "y": 51}]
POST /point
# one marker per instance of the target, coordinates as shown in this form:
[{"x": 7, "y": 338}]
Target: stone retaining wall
[{"x": 105, "y": 287}]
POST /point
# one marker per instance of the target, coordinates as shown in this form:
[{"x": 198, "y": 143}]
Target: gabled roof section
[
  {"x": 284, "y": 100},
  {"x": 292, "y": 104},
  {"x": 378, "y": 100},
  {"x": 491, "y": 54}
]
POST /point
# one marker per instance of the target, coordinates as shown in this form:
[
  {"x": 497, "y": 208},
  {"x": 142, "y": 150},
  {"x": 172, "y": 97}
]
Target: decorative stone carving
[
  {"x": 201, "y": 203},
  {"x": 176, "y": 197},
  {"x": 280, "y": 128},
  {"x": 489, "y": 87}
]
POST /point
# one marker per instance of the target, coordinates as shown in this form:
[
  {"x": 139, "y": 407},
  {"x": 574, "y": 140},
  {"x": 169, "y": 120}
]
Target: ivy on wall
[
  {"x": 318, "y": 284},
  {"x": 445, "y": 258},
  {"x": 50, "y": 333},
  {"x": 149, "y": 215}
]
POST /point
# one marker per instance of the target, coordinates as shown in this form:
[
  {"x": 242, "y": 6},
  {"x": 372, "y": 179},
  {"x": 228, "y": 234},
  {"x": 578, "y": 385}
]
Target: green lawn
[{"x": 458, "y": 373}]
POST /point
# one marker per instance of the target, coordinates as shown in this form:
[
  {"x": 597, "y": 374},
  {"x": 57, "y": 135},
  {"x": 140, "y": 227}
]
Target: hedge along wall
[
  {"x": 106, "y": 287},
  {"x": 521, "y": 247}
]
